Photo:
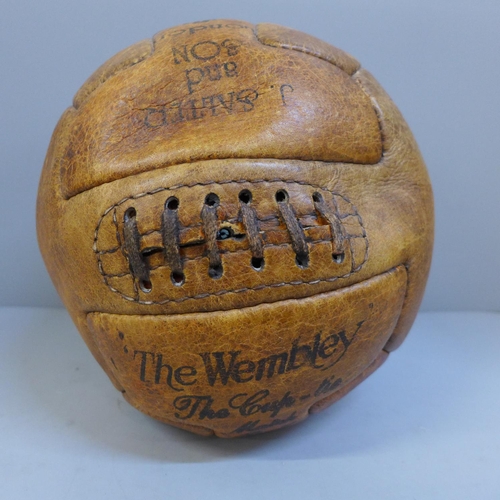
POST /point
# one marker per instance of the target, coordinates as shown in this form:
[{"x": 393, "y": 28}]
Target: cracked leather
[{"x": 247, "y": 313}]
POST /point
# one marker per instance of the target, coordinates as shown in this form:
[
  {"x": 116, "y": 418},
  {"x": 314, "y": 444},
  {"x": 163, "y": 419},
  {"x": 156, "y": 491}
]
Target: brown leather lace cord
[
  {"x": 336, "y": 227},
  {"x": 170, "y": 230},
  {"x": 209, "y": 219},
  {"x": 294, "y": 228},
  {"x": 132, "y": 238},
  {"x": 250, "y": 221}
]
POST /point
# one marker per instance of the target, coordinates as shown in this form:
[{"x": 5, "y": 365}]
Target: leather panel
[
  {"x": 243, "y": 371},
  {"x": 207, "y": 84}
]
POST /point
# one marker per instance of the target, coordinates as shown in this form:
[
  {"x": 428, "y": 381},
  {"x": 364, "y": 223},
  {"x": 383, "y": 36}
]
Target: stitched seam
[
  {"x": 201, "y": 160},
  {"x": 251, "y": 306},
  {"x": 401, "y": 312},
  {"x": 305, "y": 51},
  {"x": 373, "y": 101},
  {"x": 376, "y": 110},
  {"x": 131, "y": 63},
  {"x": 354, "y": 268}
]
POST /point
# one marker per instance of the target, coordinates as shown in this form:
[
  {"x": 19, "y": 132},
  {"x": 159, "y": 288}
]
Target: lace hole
[
  {"x": 146, "y": 286},
  {"x": 245, "y": 196},
  {"x": 317, "y": 197},
  {"x": 338, "y": 258},
  {"x": 215, "y": 272},
  {"x": 172, "y": 203},
  {"x": 257, "y": 263},
  {"x": 302, "y": 261},
  {"x": 177, "y": 278},
  {"x": 130, "y": 213},
  {"x": 281, "y": 196},
  {"x": 212, "y": 200}
]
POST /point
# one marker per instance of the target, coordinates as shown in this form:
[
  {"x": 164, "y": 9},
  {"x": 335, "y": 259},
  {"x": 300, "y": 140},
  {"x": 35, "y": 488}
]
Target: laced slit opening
[{"x": 170, "y": 230}]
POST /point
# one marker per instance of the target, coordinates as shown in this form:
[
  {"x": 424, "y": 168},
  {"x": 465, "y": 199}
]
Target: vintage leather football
[{"x": 239, "y": 222}]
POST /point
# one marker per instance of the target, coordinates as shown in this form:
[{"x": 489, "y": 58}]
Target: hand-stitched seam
[
  {"x": 376, "y": 110},
  {"x": 240, "y": 290},
  {"x": 402, "y": 312},
  {"x": 373, "y": 101},
  {"x": 304, "y": 51},
  {"x": 224, "y": 292},
  {"x": 131, "y": 62},
  {"x": 220, "y": 183}
]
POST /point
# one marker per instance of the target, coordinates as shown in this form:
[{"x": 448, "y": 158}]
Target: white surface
[
  {"x": 424, "y": 426},
  {"x": 438, "y": 59}
]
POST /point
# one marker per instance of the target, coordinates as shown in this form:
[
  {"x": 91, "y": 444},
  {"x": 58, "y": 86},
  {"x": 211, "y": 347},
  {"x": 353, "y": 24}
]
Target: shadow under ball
[{"x": 239, "y": 222}]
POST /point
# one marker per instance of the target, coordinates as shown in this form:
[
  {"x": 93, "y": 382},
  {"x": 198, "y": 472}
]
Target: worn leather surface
[{"x": 217, "y": 109}]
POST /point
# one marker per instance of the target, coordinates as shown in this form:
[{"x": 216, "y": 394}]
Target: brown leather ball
[{"x": 239, "y": 222}]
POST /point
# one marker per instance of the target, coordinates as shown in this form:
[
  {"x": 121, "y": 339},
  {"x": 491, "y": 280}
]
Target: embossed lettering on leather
[{"x": 239, "y": 222}]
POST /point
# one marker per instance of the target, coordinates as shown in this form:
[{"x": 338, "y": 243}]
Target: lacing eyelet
[
  {"x": 257, "y": 263},
  {"x": 146, "y": 286}
]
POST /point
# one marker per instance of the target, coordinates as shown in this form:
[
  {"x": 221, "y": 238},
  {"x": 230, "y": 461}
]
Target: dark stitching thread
[
  {"x": 132, "y": 237},
  {"x": 294, "y": 228},
  {"x": 241, "y": 290}
]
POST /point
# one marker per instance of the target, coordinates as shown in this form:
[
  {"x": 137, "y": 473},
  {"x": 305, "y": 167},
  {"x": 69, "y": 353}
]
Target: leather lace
[{"x": 336, "y": 228}]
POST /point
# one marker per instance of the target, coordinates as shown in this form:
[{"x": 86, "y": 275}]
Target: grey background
[{"x": 439, "y": 60}]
